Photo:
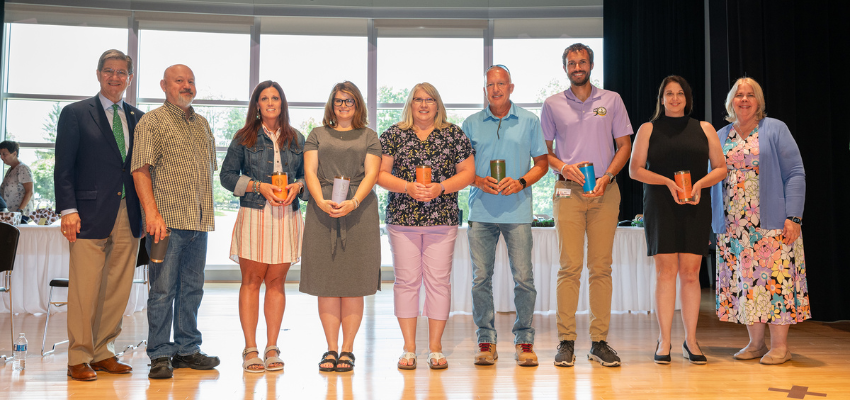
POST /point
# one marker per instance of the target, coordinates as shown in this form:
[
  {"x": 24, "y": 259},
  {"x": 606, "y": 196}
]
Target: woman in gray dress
[{"x": 341, "y": 254}]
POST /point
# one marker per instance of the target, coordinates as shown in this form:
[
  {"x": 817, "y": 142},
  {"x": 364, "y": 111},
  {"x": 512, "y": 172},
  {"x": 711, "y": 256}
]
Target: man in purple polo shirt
[{"x": 585, "y": 123}]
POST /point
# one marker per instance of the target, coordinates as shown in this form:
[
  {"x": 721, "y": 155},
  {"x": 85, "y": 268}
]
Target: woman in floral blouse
[
  {"x": 422, "y": 218},
  {"x": 17, "y": 186},
  {"x": 757, "y": 212}
]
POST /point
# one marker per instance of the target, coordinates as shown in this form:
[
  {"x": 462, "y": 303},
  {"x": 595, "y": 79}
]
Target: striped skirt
[{"x": 271, "y": 235}]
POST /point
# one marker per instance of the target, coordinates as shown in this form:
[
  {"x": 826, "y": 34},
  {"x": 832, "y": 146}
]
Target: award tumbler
[{"x": 586, "y": 169}]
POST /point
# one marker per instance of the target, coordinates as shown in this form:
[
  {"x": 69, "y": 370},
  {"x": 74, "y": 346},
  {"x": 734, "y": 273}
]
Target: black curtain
[
  {"x": 796, "y": 51},
  {"x": 646, "y": 41}
]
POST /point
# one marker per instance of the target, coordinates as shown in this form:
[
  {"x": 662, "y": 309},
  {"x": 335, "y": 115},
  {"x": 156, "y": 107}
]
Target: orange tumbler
[
  {"x": 423, "y": 174},
  {"x": 280, "y": 180},
  {"x": 683, "y": 180}
]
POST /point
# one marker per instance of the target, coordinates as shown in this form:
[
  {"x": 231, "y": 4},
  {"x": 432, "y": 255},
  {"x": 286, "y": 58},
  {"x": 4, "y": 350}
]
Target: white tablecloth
[
  {"x": 43, "y": 255},
  {"x": 633, "y": 274}
]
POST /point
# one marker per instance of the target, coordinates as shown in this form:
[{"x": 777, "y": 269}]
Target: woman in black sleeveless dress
[{"x": 676, "y": 231}]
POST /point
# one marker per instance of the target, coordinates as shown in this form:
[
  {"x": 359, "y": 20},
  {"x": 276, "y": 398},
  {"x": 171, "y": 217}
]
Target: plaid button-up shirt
[{"x": 181, "y": 153}]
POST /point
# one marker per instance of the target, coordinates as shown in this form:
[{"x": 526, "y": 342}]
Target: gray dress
[{"x": 341, "y": 257}]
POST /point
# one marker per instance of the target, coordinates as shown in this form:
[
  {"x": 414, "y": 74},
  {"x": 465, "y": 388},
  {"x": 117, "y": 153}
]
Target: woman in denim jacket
[{"x": 268, "y": 229}]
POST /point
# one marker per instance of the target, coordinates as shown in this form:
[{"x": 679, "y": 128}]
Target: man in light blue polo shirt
[
  {"x": 503, "y": 131},
  {"x": 585, "y": 123}
]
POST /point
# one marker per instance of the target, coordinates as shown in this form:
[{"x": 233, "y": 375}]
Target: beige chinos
[
  {"x": 99, "y": 283},
  {"x": 597, "y": 218}
]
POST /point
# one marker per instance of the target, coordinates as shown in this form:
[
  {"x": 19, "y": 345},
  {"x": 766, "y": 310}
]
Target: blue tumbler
[{"x": 589, "y": 176}]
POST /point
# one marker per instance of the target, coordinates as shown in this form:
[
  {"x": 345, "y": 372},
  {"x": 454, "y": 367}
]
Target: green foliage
[
  {"x": 386, "y": 118},
  {"x": 542, "y": 199},
  {"x": 307, "y": 126},
  {"x": 224, "y": 121},
  {"x": 42, "y": 168}
]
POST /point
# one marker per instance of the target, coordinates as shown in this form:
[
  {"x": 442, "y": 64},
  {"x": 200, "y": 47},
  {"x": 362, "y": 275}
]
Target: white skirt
[{"x": 271, "y": 235}]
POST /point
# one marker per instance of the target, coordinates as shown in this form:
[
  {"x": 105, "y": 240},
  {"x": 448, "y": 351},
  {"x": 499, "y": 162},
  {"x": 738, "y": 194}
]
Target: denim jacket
[{"x": 243, "y": 164}]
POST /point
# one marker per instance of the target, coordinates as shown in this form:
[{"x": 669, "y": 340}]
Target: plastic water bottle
[{"x": 20, "y": 361}]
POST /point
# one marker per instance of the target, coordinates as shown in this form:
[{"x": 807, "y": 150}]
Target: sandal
[
  {"x": 328, "y": 360},
  {"x": 407, "y": 356},
  {"x": 349, "y": 361},
  {"x": 273, "y": 359},
  {"x": 252, "y": 362},
  {"x": 434, "y": 359}
]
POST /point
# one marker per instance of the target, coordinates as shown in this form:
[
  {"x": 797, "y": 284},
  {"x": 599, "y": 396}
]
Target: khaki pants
[
  {"x": 576, "y": 217},
  {"x": 99, "y": 283}
]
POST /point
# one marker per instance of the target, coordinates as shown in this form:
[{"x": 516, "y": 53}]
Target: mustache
[{"x": 187, "y": 91}]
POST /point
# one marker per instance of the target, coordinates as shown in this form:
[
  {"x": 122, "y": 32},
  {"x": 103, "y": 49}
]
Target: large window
[
  {"x": 37, "y": 87},
  {"x": 52, "y": 54},
  {"x": 532, "y": 50}
]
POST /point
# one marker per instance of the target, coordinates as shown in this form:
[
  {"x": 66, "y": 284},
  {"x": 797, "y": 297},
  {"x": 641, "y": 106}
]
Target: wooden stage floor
[{"x": 821, "y": 363}]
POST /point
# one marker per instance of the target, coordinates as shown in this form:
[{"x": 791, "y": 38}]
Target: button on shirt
[
  {"x": 585, "y": 131},
  {"x": 181, "y": 153},
  {"x": 107, "y": 108},
  {"x": 516, "y": 139}
]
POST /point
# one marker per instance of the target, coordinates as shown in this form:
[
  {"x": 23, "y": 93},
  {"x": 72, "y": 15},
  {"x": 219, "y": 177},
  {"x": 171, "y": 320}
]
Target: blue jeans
[
  {"x": 177, "y": 287},
  {"x": 483, "y": 238}
]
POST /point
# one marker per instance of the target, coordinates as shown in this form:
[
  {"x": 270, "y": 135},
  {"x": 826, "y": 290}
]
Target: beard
[
  {"x": 581, "y": 82},
  {"x": 184, "y": 99}
]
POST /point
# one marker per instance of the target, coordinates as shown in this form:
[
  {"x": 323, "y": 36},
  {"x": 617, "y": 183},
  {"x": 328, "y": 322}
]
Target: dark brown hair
[
  {"x": 361, "y": 116},
  {"x": 689, "y": 99},
  {"x": 247, "y": 136}
]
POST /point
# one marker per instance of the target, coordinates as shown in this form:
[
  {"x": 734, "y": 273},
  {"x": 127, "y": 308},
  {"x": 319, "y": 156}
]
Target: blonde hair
[
  {"x": 361, "y": 116},
  {"x": 440, "y": 121},
  {"x": 730, "y": 110}
]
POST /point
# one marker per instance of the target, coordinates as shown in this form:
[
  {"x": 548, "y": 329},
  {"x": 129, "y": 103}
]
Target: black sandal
[
  {"x": 350, "y": 362},
  {"x": 327, "y": 360}
]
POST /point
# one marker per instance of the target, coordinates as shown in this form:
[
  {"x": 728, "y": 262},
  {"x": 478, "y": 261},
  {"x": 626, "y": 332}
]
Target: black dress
[{"x": 676, "y": 143}]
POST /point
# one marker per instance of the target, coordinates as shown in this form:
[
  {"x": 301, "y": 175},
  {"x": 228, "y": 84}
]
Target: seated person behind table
[{"x": 17, "y": 183}]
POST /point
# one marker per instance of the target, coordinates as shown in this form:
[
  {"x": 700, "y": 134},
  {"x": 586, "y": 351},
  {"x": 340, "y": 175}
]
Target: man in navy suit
[{"x": 101, "y": 216}]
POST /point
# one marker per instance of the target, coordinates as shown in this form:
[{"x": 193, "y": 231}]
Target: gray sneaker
[
  {"x": 603, "y": 353},
  {"x": 566, "y": 354}
]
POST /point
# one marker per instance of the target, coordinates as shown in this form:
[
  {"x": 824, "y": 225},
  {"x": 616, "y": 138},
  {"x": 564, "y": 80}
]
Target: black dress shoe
[
  {"x": 659, "y": 359},
  {"x": 693, "y": 358},
  {"x": 198, "y": 360},
  {"x": 161, "y": 368}
]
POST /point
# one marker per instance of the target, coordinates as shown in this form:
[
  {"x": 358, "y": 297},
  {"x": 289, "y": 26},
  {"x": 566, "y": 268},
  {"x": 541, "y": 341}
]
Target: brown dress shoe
[
  {"x": 82, "y": 372},
  {"x": 112, "y": 365}
]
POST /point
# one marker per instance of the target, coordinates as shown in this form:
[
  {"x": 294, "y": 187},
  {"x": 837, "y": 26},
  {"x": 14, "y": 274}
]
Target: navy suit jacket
[{"x": 89, "y": 172}]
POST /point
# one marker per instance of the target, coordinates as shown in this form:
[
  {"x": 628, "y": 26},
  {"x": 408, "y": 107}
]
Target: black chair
[
  {"x": 142, "y": 260},
  {"x": 62, "y": 283},
  {"x": 9, "y": 236}
]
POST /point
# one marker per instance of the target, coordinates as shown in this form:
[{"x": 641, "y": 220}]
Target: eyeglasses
[
  {"x": 429, "y": 101},
  {"x": 502, "y": 66},
  {"x": 121, "y": 73},
  {"x": 348, "y": 102}
]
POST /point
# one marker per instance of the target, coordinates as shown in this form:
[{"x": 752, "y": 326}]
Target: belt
[{"x": 562, "y": 178}]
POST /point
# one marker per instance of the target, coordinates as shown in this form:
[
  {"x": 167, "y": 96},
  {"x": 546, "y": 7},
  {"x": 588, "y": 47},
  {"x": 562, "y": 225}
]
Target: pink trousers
[{"x": 422, "y": 252}]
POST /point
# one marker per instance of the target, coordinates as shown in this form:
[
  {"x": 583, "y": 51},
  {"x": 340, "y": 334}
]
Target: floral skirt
[{"x": 759, "y": 278}]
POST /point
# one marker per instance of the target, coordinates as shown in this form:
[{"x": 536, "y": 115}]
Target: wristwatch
[
  {"x": 522, "y": 182},
  {"x": 796, "y": 220},
  {"x": 611, "y": 176}
]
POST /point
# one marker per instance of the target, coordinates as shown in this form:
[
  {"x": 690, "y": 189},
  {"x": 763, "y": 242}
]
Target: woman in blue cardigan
[{"x": 757, "y": 213}]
